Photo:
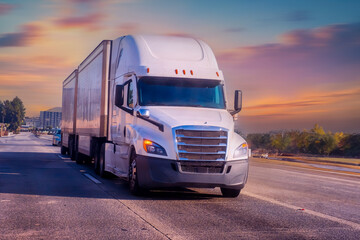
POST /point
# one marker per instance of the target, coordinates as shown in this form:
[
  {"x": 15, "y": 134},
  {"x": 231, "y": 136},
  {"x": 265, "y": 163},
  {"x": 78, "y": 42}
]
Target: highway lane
[
  {"x": 327, "y": 193},
  {"x": 42, "y": 195}
]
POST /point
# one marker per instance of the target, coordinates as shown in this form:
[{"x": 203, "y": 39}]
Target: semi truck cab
[{"x": 163, "y": 114}]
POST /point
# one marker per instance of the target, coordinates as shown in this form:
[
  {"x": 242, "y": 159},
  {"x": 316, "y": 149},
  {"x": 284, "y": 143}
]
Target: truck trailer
[{"x": 152, "y": 110}]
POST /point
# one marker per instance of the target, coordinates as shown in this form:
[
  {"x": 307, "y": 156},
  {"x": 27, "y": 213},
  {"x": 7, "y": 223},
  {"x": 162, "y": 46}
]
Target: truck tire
[
  {"x": 134, "y": 187},
  {"x": 72, "y": 154},
  {"x": 230, "y": 193},
  {"x": 63, "y": 150},
  {"x": 71, "y": 150},
  {"x": 102, "y": 172},
  {"x": 97, "y": 159},
  {"x": 79, "y": 158}
]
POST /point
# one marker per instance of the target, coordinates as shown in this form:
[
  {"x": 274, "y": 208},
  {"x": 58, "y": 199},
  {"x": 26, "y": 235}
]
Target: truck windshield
[{"x": 160, "y": 91}]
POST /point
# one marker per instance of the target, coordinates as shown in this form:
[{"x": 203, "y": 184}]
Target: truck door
[
  {"x": 126, "y": 123},
  {"x": 116, "y": 117}
]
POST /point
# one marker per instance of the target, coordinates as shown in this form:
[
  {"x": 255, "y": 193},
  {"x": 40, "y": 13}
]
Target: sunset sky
[{"x": 297, "y": 62}]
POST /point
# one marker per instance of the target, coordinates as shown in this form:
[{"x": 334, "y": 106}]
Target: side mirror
[
  {"x": 237, "y": 102},
  {"x": 145, "y": 113},
  {"x": 119, "y": 95}
]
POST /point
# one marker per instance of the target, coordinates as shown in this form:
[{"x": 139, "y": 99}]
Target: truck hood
[{"x": 180, "y": 116}]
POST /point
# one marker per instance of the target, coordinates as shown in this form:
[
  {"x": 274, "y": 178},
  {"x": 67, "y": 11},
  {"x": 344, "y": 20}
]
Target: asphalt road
[{"x": 44, "y": 195}]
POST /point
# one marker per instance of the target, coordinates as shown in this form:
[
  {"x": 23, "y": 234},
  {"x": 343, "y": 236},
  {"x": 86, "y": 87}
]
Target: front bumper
[{"x": 158, "y": 172}]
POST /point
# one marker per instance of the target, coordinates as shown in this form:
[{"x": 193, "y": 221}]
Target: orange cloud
[
  {"x": 287, "y": 105},
  {"x": 36, "y": 61},
  {"x": 32, "y": 89},
  {"x": 127, "y": 28},
  {"x": 178, "y": 34},
  {"x": 89, "y": 22},
  {"x": 340, "y": 94},
  {"x": 305, "y": 100},
  {"x": 335, "y": 110}
]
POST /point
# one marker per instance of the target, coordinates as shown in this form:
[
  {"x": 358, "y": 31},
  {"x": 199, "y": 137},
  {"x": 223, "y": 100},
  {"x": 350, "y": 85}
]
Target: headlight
[
  {"x": 241, "y": 151},
  {"x": 154, "y": 148}
]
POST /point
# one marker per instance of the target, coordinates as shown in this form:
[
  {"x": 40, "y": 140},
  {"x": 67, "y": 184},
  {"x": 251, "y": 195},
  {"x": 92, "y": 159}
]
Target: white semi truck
[{"x": 152, "y": 110}]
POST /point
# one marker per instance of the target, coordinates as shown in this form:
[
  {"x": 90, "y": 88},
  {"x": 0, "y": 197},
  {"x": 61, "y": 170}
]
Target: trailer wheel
[
  {"x": 97, "y": 158},
  {"x": 230, "y": 193},
  {"x": 79, "y": 158},
  {"x": 63, "y": 150},
  {"x": 71, "y": 149},
  {"x": 133, "y": 177},
  {"x": 102, "y": 172}
]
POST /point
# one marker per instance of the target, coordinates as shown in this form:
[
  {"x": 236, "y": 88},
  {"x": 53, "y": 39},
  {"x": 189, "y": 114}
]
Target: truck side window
[{"x": 130, "y": 99}]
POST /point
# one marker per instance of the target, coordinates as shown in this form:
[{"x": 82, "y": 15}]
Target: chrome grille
[{"x": 203, "y": 145}]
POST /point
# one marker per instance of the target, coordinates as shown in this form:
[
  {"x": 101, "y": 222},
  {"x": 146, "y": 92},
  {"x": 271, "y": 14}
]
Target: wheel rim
[{"x": 133, "y": 174}]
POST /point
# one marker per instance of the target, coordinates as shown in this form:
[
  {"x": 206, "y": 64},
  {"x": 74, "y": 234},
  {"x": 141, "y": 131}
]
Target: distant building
[
  {"x": 50, "y": 118},
  {"x": 33, "y": 122}
]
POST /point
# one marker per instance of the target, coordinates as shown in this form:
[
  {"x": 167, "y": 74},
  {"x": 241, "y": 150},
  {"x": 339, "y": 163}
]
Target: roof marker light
[
  {"x": 217, "y": 74},
  {"x": 148, "y": 70},
  {"x": 176, "y": 71},
  {"x": 191, "y": 71},
  {"x": 184, "y": 72}
]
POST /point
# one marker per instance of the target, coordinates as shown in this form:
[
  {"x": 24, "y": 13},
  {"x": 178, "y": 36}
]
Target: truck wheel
[
  {"x": 79, "y": 158},
  {"x": 63, "y": 150},
  {"x": 71, "y": 150},
  {"x": 72, "y": 154},
  {"x": 97, "y": 159},
  {"x": 133, "y": 177},
  {"x": 102, "y": 172},
  {"x": 230, "y": 193}
]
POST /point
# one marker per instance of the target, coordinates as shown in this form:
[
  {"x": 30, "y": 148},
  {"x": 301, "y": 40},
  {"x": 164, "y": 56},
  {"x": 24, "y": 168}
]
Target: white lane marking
[
  {"x": 5, "y": 173},
  {"x": 310, "y": 212},
  {"x": 92, "y": 178},
  {"x": 4, "y": 200},
  {"x": 317, "y": 176}
]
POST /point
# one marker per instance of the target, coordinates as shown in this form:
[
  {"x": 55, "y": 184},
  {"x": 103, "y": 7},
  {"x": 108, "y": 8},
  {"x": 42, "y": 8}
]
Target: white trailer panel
[
  {"x": 68, "y": 123},
  {"x": 91, "y": 114}
]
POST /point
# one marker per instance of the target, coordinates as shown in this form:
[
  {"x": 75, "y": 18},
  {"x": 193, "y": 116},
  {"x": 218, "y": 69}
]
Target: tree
[
  {"x": 314, "y": 141},
  {"x": 9, "y": 111},
  {"x": 330, "y": 143},
  {"x": 19, "y": 112},
  {"x": 318, "y": 130},
  {"x": 2, "y": 112},
  {"x": 281, "y": 141},
  {"x": 13, "y": 113},
  {"x": 259, "y": 140},
  {"x": 350, "y": 145}
]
